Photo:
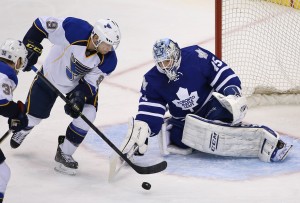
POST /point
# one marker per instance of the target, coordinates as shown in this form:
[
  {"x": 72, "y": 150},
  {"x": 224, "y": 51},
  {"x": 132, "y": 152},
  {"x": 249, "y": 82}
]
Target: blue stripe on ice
[{"x": 200, "y": 164}]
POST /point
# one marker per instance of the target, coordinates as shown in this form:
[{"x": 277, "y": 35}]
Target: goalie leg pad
[
  {"x": 165, "y": 145},
  {"x": 223, "y": 139}
]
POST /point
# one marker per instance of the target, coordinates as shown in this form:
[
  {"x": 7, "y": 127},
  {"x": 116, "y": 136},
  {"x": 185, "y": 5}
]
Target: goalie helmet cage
[{"x": 259, "y": 40}]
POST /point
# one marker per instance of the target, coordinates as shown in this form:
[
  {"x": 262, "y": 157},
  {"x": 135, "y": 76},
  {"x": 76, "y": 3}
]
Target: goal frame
[{"x": 255, "y": 99}]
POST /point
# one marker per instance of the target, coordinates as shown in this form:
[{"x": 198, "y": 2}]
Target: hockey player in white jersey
[
  {"x": 12, "y": 58},
  {"x": 82, "y": 55},
  {"x": 204, "y": 97}
]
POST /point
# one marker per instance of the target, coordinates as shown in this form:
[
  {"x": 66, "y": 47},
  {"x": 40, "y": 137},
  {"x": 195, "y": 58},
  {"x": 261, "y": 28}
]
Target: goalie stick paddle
[
  {"x": 116, "y": 163},
  {"x": 5, "y": 136},
  {"x": 139, "y": 169}
]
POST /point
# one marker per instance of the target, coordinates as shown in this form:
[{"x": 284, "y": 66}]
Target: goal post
[{"x": 260, "y": 41}]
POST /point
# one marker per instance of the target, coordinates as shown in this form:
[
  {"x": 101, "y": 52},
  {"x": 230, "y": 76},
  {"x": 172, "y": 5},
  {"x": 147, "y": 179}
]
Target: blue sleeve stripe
[
  {"x": 225, "y": 81},
  {"x": 9, "y": 72},
  {"x": 4, "y": 102},
  {"x": 152, "y": 104},
  {"x": 150, "y": 114},
  {"x": 152, "y": 109},
  {"x": 218, "y": 75},
  {"x": 39, "y": 26}
]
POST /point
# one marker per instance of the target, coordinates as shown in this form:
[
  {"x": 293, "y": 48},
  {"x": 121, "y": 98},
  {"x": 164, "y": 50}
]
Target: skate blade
[
  {"x": 285, "y": 155},
  {"x": 65, "y": 170}
]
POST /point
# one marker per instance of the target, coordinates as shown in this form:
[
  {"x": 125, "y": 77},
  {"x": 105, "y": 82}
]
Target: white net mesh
[{"x": 261, "y": 42}]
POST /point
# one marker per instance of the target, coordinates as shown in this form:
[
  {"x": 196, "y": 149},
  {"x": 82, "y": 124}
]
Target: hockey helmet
[
  {"x": 167, "y": 56},
  {"x": 12, "y": 50},
  {"x": 108, "y": 31}
]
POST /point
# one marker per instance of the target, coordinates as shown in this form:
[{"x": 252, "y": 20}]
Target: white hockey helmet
[
  {"x": 108, "y": 31},
  {"x": 12, "y": 50},
  {"x": 167, "y": 50}
]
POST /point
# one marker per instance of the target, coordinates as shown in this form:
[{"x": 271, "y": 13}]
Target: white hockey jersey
[
  {"x": 8, "y": 82},
  {"x": 68, "y": 61}
]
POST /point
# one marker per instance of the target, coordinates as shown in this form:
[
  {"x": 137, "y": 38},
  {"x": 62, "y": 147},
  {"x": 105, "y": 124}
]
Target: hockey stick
[
  {"x": 5, "y": 136},
  {"x": 116, "y": 163},
  {"x": 139, "y": 169}
]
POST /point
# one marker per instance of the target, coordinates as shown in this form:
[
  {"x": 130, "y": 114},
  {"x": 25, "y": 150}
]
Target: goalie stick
[
  {"x": 139, "y": 169},
  {"x": 5, "y": 136},
  {"x": 116, "y": 162}
]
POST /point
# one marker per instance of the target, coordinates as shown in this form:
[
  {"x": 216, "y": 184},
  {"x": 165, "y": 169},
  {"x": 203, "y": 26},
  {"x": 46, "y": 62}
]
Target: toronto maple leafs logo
[
  {"x": 186, "y": 101},
  {"x": 201, "y": 54}
]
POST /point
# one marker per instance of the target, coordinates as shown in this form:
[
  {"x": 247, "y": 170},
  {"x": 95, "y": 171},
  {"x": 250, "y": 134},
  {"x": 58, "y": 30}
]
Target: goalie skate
[
  {"x": 281, "y": 151},
  {"x": 66, "y": 163}
]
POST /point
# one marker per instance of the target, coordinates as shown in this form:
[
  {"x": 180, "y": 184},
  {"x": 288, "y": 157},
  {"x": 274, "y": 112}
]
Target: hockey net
[{"x": 260, "y": 41}]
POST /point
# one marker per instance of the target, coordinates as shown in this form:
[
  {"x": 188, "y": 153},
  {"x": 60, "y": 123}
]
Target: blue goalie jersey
[{"x": 200, "y": 74}]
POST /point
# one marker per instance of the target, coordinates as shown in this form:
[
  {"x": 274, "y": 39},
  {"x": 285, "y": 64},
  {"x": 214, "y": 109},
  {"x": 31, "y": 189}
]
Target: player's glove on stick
[
  {"x": 75, "y": 107},
  {"x": 137, "y": 134},
  {"x": 19, "y": 121},
  {"x": 34, "y": 51}
]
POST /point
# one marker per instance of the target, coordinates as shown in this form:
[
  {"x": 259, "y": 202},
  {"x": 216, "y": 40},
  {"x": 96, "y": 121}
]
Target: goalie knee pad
[
  {"x": 236, "y": 105},
  {"x": 164, "y": 139},
  {"x": 165, "y": 144},
  {"x": 226, "y": 140}
]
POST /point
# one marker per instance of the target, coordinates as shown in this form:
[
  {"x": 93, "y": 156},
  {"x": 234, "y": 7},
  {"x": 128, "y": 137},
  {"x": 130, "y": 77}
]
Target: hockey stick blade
[
  {"x": 150, "y": 169},
  {"x": 139, "y": 169}
]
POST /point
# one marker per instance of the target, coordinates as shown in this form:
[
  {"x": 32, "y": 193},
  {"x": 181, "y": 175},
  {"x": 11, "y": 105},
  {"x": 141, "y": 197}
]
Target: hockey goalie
[{"x": 204, "y": 97}]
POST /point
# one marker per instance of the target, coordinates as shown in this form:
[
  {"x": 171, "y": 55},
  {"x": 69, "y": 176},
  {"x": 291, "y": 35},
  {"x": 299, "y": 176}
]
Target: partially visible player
[
  {"x": 12, "y": 58},
  {"x": 204, "y": 98},
  {"x": 82, "y": 55}
]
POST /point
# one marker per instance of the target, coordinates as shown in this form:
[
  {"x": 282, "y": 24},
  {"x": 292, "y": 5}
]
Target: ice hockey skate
[
  {"x": 18, "y": 137},
  {"x": 281, "y": 151},
  {"x": 65, "y": 163}
]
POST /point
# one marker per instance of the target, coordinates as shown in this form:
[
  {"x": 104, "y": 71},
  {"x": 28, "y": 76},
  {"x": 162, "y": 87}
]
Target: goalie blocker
[{"x": 220, "y": 138}]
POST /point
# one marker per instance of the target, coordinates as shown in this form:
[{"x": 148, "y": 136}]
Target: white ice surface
[{"x": 194, "y": 179}]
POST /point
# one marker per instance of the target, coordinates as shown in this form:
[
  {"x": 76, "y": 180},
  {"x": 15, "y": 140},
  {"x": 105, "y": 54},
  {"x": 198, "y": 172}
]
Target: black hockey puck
[{"x": 146, "y": 185}]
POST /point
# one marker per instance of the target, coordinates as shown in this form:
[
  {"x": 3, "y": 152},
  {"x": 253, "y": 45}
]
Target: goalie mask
[
  {"x": 167, "y": 56},
  {"x": 13, "y": 50},
  {"x": 108, "y": 31}
]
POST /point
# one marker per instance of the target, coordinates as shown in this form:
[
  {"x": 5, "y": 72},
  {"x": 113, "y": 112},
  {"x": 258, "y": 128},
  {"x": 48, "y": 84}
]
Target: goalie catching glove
[{"x": 137, "y": 135}]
